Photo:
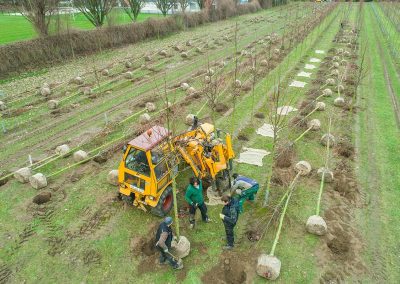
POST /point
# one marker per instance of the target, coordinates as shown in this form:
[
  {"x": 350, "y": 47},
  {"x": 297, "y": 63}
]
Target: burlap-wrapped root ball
[
  {"x": 207, "y": 79},
  {"x": 144, "y": 118},
  {"x": 45, "y": 91},
  {"x": 303, "y": 167},
  {"x": 185, "y": 86},
  {"x": 151, "y": 107},
  {"x": 326, "y": 173},
  {"x": 314, "y": 124},
  {"x": 181, "y": 247},
  {"x": 105, "y": 72},
  {"x": 87, "y": 91},
  {"x": 147, "y": 58},
  {"x": 163, "y": 52},
  {"x": 339, "y": 102},
  {"x": 62, "y": 150},
  {"x": 128, "y": 64},
  {"x": 22, "y": 175},
  {"x": 330, "y": 81},
  {"x": 210, "y": 72},
  {"x": 268, "y": 266},
  {"x": 340, "y": 88},
  {"x": 112, "y": 177},
  {"x": 264, "y": 62},
  {"x": 327, "y": 92},
  {"x": 189, "y": 119},
  {"x": 238, "y": 84},
  {"x": 128, "y": 75},
  {"x": 3, "y": 106},
  {"x": 38, "y": 181},
  {"x": 326, "y": 137},
  {"x": 53, "y": 104},
  {"x": 184, "y": 55},
  {"x": 78, "y": 80},
  {"x": 320, "y": 106},
  {"x": 80, "y": 156},
  {"x": 190, "y": 91},
  {"x": 316, "y": 225}
]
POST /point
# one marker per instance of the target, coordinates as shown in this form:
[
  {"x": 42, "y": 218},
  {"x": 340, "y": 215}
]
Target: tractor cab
[{"x": 144, "y": 171}]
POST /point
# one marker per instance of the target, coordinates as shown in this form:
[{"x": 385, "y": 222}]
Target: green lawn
[{"x": 15, "y": 28}]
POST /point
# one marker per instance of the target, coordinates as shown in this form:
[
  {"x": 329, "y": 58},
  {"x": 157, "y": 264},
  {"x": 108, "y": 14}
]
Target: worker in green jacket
[{"x": 194, "y": 196}]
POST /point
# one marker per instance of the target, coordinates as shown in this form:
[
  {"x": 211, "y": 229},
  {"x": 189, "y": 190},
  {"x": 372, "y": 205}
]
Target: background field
[
  {"x": 15, "y": 28},
  {"x": 85, "y": 229}
]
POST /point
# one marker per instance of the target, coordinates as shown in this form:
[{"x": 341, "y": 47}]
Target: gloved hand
[
  {"x": 166, "y": 250},
  {"x": 222, "y": 216},
  {"x": 195, "y": 205},
  {"x": 175, "y": 238},
  {"x": 238, "y": 191}
]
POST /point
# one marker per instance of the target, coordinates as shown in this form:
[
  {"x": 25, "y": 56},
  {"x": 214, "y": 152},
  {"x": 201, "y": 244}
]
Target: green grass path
[{"x": 379, "y": 158}]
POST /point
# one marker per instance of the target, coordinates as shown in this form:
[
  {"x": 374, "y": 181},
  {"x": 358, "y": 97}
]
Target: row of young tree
[{"x": 40, "y": 13}]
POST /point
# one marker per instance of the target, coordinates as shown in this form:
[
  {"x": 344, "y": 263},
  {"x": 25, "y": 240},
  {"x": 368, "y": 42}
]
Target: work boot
[
  {"x": 208, "y": 220},
  {"x": 227, "y": 247}
]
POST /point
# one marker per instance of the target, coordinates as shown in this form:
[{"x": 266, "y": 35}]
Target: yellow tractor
[{"x": 151, "y": 160}]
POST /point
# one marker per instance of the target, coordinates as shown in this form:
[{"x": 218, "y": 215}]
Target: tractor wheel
[{"x": 165, "y": 203}]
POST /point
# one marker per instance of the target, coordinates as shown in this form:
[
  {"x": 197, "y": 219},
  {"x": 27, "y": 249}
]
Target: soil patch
[
  {"x": 284, "y": 155},
  {"x": 221, "y": 108},
  {"x": 42, "y": 198},
  {"x": 259, "y": 115},
  {"x": 243, "y": 137},
  {"x": 230, "y": 269}
]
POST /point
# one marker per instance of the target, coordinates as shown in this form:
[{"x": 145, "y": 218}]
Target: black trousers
[
  {"x": 229, "y": 233},
  {"x": 192, "y": 212},
  {"x": 166, "y": 257}
]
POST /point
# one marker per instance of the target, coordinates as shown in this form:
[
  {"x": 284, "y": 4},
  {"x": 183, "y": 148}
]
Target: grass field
[
  {"x": 84, "y": 228},
  {"x": 15, "y": 28}
]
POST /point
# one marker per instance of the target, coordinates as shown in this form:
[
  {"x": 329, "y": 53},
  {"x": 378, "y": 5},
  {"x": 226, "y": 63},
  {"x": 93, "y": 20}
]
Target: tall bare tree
[
  {"x": 95, "y": 11},
  {"x": 165, "y": 5},
  {"x": 133, "y": 7},
  {"x": 201, "y": 3},
  {"x": 184, "y": 4},
  {"x": 39, "y": 13}
]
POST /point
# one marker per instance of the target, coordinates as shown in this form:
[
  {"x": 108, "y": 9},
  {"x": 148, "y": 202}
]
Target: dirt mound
[
  {"x": 282, "y": 177},
  {"x": 253, "y": 235},
  {"x": 259, "y": 115},
  {"x": 284, "y": 155},
  {"x": 243, "y": 137},
  {"x": 345, "y": 149},
  {"x": 345, "y": 181},
  {"x": 91, "y": 257},
  {"x": 42, "y": 198},
  {"x": 230, "y": 269},
  {"x": 221, "y": 108},
  {"x": 339, "y": 245},
  {"x": 299, "y": 121},
  {"x": 331, "y": 278}
]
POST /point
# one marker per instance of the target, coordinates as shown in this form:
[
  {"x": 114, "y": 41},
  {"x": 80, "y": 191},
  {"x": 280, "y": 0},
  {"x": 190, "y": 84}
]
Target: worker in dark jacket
[
  {"x": 164, "y": 237},
  {"x": 229, "y": 216},
  {"x": 194, "y": 196}
]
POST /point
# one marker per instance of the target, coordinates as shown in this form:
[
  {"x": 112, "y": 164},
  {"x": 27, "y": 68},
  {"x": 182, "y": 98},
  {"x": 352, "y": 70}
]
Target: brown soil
[
  {"x": 91, "y": 257},
  {"x": 243, "y": 137},
  {"x": 284, "y": 155},
  {"x": 298, "y": 121},
  {"x": 253, "y": 235},
  {"x": 282, "y": 177},
  {"x": 259, "y": 115},
  {"x": 230, "y": 269},
  {"x": 345, "y": 149},
  {"x": 221, "y": 108},
  {"x": 42, "y": 197}
]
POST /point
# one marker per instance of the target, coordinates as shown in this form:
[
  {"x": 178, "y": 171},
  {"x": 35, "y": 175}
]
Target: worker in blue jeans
[{"x": 246, "y": 189}]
